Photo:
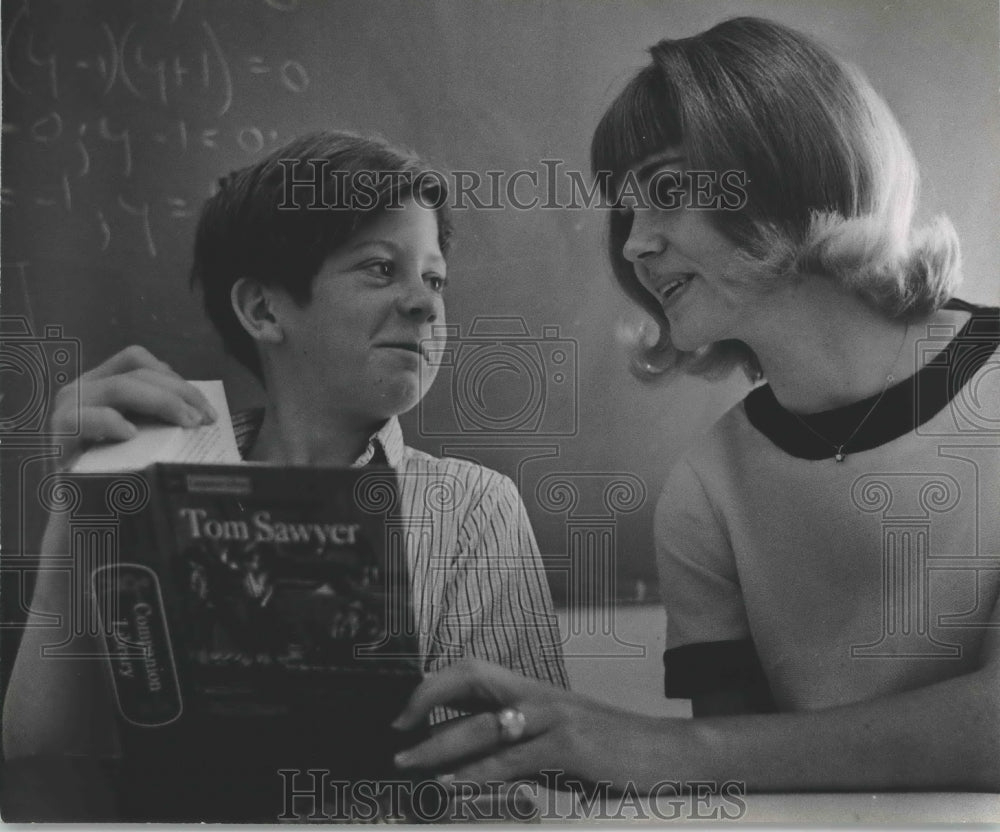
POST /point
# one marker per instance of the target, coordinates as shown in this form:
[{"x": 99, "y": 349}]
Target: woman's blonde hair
[{"x": 829, "y": 178}]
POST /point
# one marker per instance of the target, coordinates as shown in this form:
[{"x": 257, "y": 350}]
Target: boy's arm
[
  {"x": 61, "y": 705},
  {"x": 499, "y": 606},
  {"x": 59, "y": 731},
  {"x": 57, "y": 705}
]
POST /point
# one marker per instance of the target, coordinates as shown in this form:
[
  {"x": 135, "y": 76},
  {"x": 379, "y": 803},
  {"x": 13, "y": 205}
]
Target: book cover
[{"x": 257, "y": 619}]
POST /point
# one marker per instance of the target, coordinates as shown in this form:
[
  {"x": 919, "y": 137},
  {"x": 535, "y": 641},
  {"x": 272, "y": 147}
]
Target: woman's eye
[{"x": 670, "y": 191}]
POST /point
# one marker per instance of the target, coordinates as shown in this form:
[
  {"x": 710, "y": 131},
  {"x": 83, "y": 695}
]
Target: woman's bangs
[{"x": 643, "y": 120}]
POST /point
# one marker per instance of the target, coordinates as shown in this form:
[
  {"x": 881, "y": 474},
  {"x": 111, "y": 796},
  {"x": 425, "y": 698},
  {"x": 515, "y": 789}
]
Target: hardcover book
[{"x": 257, "y": 621}]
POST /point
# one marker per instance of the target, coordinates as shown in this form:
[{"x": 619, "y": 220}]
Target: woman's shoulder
[
  {"x": 724, "y": 441},
  {"x": 707, "y": 468}
]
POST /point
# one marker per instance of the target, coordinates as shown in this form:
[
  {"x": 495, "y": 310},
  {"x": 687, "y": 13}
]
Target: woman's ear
[{"x": 252, "y": 304}]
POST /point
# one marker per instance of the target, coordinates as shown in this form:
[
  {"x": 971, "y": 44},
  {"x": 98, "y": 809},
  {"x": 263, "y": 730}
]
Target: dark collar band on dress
[{"x": 906, "y": 405}]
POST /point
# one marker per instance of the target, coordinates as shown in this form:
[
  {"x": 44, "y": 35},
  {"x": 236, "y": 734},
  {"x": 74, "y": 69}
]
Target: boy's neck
[{"x": 296, "y": 434}]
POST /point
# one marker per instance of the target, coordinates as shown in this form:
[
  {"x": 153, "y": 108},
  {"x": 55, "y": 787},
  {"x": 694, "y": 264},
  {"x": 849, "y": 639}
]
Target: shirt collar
[
  {"x": 389, "y": 440},
  {"x": 384, "y": 446}
]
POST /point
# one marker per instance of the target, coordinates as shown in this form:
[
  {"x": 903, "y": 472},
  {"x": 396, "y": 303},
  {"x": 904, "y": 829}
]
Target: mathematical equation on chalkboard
[
  {"x": 101, "y": 109},
  {"x": 87, "y": 139}
]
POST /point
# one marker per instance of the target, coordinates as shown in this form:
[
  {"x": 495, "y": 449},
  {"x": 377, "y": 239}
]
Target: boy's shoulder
[{"x": 465, "y": 473}]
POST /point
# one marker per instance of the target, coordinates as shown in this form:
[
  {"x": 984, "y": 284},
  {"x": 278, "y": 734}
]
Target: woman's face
[{"x": 680, "y": 258}]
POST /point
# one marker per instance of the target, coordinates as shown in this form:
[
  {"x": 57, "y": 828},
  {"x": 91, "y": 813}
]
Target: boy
[{"x": 335, "y": 310}]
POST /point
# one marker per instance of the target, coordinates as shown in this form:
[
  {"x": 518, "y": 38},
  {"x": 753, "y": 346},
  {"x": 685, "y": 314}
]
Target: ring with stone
[{"x": 511, "y": 722}]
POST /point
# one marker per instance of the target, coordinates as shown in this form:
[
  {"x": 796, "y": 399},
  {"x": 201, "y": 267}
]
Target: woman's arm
[
  {"x": 943, "y": 736},
  {"x": 723, "y": 703}
]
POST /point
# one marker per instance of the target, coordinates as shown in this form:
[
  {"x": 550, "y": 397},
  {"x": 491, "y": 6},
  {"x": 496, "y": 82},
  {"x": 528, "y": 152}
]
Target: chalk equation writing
[
  {"x": 146, "y": 62},
  {"x": 106, "y": 114},
  {"x": 103, "y": 148}
]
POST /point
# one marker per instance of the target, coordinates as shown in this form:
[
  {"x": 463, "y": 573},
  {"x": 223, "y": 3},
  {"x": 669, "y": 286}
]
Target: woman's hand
[
  {"x": 132, "y": 382},
  {"x": 563, "y": 731}
]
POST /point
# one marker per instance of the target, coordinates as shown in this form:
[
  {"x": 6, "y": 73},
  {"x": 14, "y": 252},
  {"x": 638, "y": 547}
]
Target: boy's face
[{"x": 360, "y": 345}]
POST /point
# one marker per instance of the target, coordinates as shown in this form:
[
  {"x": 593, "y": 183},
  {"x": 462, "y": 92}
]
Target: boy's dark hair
[{"x": 265, "y": 225}]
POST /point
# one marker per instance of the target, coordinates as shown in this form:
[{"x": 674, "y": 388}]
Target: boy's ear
[{"x": 253, "y": 307}]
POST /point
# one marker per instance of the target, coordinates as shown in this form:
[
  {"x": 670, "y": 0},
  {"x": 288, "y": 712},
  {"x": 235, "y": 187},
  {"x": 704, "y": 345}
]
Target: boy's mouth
[{"x": 409, "y": 346}]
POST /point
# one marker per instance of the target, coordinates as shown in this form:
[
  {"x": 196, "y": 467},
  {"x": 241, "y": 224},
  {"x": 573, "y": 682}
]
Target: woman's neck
[{"x": 822, "y": 348}]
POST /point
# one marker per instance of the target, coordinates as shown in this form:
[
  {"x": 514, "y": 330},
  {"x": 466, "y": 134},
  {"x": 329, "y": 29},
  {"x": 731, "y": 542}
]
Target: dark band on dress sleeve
[{"x": 713, "y": 666}]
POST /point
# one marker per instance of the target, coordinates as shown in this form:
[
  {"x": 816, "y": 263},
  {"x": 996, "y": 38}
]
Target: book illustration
[{"x": 250, "y": 604}]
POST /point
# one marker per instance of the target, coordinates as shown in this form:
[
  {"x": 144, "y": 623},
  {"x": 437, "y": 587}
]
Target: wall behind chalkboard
[{"x": 118, "y": 118}]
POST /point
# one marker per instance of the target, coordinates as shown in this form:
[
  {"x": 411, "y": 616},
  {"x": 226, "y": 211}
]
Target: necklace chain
[{"x": 838, "y": 450}]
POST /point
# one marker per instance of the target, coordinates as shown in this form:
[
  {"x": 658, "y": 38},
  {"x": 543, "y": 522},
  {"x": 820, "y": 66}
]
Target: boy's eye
[
  {"x": 437, "y": 282},
  {"x": 383, "y": 268}
]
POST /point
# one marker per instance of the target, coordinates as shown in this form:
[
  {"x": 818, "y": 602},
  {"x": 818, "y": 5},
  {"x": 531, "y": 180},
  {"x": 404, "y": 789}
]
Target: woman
[{"x": 765, "y": 198}]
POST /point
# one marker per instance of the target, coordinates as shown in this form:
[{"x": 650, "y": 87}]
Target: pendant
[{"x": 839, "y": 455}]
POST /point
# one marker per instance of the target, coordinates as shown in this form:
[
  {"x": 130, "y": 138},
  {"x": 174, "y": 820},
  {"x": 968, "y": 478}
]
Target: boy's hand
[{"x": 132, "y": 382}]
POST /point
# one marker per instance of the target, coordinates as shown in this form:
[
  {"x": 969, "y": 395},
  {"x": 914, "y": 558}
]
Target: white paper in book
[{"x": 214, "y": 443}]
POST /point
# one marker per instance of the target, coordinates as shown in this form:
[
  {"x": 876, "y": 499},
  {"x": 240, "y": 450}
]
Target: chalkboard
[{"x": 119, "y": 117}]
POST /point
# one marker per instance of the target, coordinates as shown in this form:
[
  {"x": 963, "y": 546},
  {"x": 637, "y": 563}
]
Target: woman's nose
[{"x": 644, "y": 239}]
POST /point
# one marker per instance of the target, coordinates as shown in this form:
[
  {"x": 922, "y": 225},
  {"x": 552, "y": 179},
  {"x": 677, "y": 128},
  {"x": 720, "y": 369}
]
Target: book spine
[{"x": 137, "y": 587}]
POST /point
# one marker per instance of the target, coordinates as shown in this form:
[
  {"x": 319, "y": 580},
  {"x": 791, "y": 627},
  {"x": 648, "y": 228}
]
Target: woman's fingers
[
  {"x": 472, "y": 683},
  {"x": 457, "y": 744},
  {"x": 475, "y": 748},
  {"x": 459, "y": 740},
  {"x": 512, "y": 762}
]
